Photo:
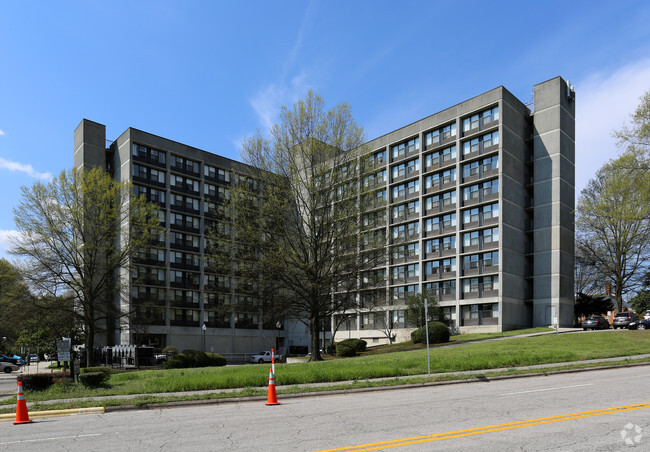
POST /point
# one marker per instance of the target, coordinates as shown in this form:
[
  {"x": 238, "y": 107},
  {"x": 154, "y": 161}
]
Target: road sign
[{"x": 63, "y": 349}]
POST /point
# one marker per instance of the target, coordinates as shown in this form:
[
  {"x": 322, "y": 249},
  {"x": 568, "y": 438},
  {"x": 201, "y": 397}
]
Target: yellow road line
[{"x": 487, "y": 429}]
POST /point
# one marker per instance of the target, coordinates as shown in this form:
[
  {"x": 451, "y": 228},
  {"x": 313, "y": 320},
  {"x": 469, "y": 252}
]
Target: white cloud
[
  {"x": 2, "y": 133},
  {"x": 268, "y": 101},
  {"x": 25, "y": 168},
  {"x": 604, "y": 103},
  {"x": 5, "y": 241}
]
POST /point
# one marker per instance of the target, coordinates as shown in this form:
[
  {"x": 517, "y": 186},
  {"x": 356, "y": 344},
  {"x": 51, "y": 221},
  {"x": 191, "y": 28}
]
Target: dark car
[
  {"x": 643, "y": 324},
  {"x": 7, "y": 359},
  {"x": 595, "y": 322},
  {"x": 623, "y": 319}
]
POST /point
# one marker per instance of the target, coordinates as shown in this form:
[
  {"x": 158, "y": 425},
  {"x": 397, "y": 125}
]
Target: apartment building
[
  {"x": 474, "y": 203},
  {"x": 174, "y": 278}
]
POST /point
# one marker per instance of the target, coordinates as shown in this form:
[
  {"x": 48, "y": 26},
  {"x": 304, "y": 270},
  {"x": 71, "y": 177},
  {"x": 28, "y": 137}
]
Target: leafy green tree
[
  {"x": 78, "y": 237},
  {"x": 637, "y": 134},
  {"x": 415, "y": 314},
  {"x": 641, "y": 301},
  {"x": 612, "y": 222},
  {"x": 47, "y": 324},
  {"x": 295, "y": 217},
  {"x": 16, "y": 305}
]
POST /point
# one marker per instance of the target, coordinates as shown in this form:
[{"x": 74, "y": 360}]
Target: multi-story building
[{"x": 475, "y": 203}]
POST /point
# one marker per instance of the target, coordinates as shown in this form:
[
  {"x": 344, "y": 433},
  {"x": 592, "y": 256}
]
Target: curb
[{"x": 54, "y": 413}]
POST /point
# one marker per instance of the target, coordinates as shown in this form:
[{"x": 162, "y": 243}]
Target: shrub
[
  {"x": 102, "y": 369},
  {"x": 438, "y": 333},
  {"x": 62, "y": 378},
  {"x": 35, "y": 382},
  {"x": 345, "y": 349},
  {"x": 331, "y": 348},
  {"x": 216, "y": 360},
  {"x": 358, "y": 344},
  {"x": 93, "y": 379},
  {"x": 195, "y": 358},
  {"x": 170, "y": 350}
]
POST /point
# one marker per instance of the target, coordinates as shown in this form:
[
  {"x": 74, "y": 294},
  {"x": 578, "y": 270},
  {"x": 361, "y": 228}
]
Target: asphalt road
[{"x": 530, "y": 414}]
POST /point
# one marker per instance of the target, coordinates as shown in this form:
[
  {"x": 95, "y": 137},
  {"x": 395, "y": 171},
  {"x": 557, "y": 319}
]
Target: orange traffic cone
[
  {"x": 22, "y": 416},
  {"x": 272, "y": 398}
]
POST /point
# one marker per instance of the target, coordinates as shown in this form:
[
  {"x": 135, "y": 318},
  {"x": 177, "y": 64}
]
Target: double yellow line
[{"x": 487, "y": 429}]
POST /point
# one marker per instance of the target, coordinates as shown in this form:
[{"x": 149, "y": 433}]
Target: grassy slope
[{"x": 488, "y": 355}]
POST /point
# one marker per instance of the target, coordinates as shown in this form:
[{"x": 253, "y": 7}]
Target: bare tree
[{"x": 78, "y": 235}]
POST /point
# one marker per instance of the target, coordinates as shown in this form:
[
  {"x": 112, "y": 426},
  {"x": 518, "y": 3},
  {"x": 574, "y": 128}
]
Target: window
[
  {"x": 490, "y": 139},
  {"x": 412, "y": 166},
  {"x": 184, "y": 164},
  {"x": 413, "y": 187},
  {"x": 399, "y": 272},
  {"x": 399, "y": 171},
  {"x": 399, "y": 231},
  {"x": 470, "y": 262},
  {"x": 432, "y": 137},
  {"x": 491, "y": 211},
  {"x": 490, "y": 115},
  {"x": 410, "y": 146},
  {"x": 184, "y": 202},
  {"x": 432, "y": 224},
  {"x": 470, "y": 146},
  {"x": 151, "y": 194},
  {"x": 184, "y": 183},
  {"x": 413, "y": 249},
  {"x": 413, "y": 207},
  {"x": 449, "y": 153},
  {"x": 491, "y": 259},
  {"x": 471, "y": 123},
  {"x": 433, "y": 202},
  {"x": 449, "y": 131},
  {"x": 432, "y": 159},
  {"x": 149, "y": 174},
  {"x": 399, "y": 191},
  {"x": 432, "y": 268},
  {"x": 471, "y": 169},
  {"x": 412, "y": 229},
  {"x": 449, "y": 243},
  {"x": 490, "y": 163},
  {"x": 412, "y": 270},
  {"x": 471, "y": 215},
  {"x": 449, "y": 265},
  {"x": 470, "y": 285},
  {"x": 449, "y": 220},
  {"x": 398, "y": 211},
  {"x": 491, "y": 235},
  {"x": 432, "y": 246},
  {"x": 432, "y": 181},
  {"x": 449, "y": 176},
  {"x": 377, "y": 158},
  {"x": 449, "y": 198},
  {"x": 470, "y": 192},
  {"x": 138, "y": 150},
  {"x": 490, "y": 187},
  {"x": 471, "y": 238},
  {"x": 491, "y": 282}
]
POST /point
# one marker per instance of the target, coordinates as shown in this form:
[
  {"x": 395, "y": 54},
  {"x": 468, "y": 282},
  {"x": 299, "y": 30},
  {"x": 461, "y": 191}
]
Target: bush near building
[
  {"x": 438, "y": 333},
  {"x": 195, "y": 358}
]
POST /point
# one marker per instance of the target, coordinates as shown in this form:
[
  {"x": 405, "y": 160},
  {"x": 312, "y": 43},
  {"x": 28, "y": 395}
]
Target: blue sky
[{"x": 208, "y": 73}]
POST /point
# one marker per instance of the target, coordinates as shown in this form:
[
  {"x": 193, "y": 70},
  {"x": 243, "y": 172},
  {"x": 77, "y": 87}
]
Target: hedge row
[
  {"x": 438, "y": 333},
  {"x": 195, "y": 358}
]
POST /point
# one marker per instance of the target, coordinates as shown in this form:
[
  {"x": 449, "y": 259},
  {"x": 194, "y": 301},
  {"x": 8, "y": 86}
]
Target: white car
[
  {"x": 8, "y": 367},
  {"x": 646, "y": 315}
]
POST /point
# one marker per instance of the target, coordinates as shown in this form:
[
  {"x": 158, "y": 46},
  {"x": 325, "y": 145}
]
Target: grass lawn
[{"x": 489, "y": 355}]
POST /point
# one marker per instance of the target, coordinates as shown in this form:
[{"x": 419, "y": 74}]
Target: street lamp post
[
  {"x": 203, "y": 328},
  {"x": 426, "y": 329}
]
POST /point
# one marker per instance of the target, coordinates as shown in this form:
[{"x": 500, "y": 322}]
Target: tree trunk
[
  {"x": 314, "y": 333},
  {"x": 90, "y": 345}
]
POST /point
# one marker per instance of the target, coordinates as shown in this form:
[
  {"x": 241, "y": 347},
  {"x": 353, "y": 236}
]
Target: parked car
[
  {"x": 265, "y": 357},
  {"x": 639, "y": 324},
  {"x": 646, "y": 315},
  {"x": 33, "y": 358},
  {"x": 595, "y": 322},
  {"x": 623, "y": 319},
  {"x": 7, "y": 367},
  {"x": 7, "y": 359}
]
